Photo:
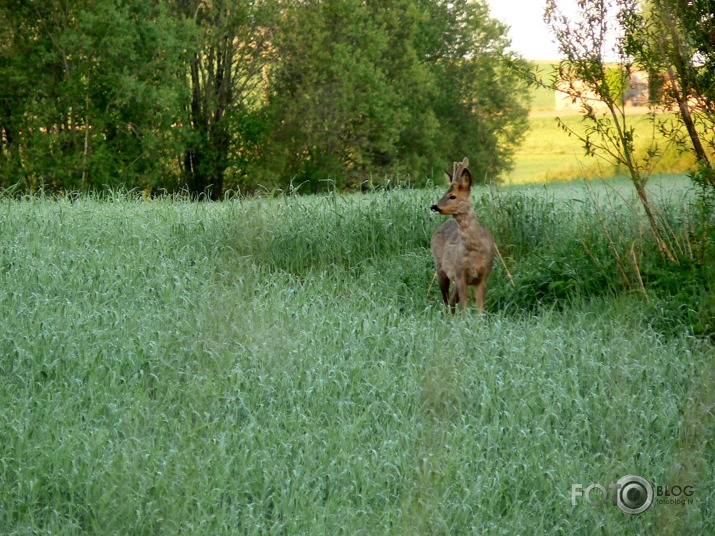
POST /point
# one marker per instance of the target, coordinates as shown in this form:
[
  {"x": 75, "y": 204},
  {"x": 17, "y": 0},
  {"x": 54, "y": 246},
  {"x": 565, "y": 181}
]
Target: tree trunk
[
  {"x": 679, "y": 75},
  {"x": 206, "y": 158},
  {"x": 660, "y": 242}
]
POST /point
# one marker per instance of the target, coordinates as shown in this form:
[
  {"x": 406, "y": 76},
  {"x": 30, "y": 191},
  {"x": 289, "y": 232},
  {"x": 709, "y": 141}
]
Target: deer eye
[{"x": 453, "y": 197}]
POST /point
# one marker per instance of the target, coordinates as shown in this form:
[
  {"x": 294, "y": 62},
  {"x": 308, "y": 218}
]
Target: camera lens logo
[{"x": 634, "y": 494}]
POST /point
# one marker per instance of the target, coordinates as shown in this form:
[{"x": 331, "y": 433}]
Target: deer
[{"x": 463, "y": 250}]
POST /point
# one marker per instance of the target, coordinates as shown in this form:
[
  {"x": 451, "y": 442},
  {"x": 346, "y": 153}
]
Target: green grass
[{"x": 275, "y": 365}]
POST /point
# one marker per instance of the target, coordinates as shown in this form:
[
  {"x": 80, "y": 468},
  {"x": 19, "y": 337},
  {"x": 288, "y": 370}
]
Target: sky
[{"x": 529, "y": 35}]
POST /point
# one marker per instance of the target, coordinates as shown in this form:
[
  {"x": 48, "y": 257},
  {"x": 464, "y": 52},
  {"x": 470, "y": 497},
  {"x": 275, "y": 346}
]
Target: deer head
[{"x": 456, "y": 199}]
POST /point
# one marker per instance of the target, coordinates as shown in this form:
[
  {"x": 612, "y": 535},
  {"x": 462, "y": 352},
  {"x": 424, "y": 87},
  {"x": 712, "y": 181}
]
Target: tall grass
[{"x": 276, "y": 366}]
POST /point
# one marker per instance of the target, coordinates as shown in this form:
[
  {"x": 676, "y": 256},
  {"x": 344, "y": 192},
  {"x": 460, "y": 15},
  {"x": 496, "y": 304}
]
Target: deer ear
[
  {"x": 466, "y": 178},
  {"x": 448, "y": 176}
]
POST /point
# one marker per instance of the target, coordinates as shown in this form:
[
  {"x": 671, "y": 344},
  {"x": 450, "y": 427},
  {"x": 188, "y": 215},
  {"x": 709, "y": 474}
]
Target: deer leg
[
  {"x": 480, "y": 291},
  {"x": 453, "y": 299},
  {"x": 463, "y": 293},
  {"x": 443, "y": 281}
]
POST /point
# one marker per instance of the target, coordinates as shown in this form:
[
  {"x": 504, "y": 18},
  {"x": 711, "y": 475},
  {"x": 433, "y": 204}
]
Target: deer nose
[{"x": 435, "y": 208}]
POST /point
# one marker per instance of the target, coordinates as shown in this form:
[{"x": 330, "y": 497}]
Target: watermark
[{"x": 633, "y": 494}]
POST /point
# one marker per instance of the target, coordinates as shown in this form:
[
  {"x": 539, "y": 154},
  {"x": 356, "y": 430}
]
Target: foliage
[
  {"x": 385, "y": 88},
  {"x": 240, "y": 94},
  {"x": 231, "y": 52},
  {"x": 669, "y": 39},
  {"x": 673, "y": 41},
  {"x": 92, "y": 93}
]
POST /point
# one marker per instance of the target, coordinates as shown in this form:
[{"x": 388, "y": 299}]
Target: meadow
[
  {"x": 281, "y": 365},
  {"x": 549, "y": 154}
]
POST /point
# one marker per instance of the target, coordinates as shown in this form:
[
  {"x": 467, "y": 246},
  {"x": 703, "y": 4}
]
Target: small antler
[{"x": 459, "y": 168}]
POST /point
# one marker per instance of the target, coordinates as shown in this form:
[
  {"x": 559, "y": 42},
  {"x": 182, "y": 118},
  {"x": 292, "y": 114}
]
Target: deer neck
[{"x": 468, "y": 227}]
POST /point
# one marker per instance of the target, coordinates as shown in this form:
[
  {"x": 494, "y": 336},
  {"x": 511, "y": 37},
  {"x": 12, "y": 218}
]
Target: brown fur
[{"x": 463, "y": 250}]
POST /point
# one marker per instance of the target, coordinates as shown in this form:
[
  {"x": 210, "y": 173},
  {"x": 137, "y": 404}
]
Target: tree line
[{"x": 213, "y": 96}]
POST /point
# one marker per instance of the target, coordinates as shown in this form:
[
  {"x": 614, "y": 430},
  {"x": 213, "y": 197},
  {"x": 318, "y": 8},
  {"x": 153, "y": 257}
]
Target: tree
[
  {"x": 225, "y": 72},
  {"x": 232, "y": 94},
  {"x": 338, "y": 92},
  {"x": 482, "y": 104},
  {"x": 93, "y": 93},
  {"x": 586, "y": 77},
  {"x": 390, "y": 87},
  {"x": 674, "y": 40}
]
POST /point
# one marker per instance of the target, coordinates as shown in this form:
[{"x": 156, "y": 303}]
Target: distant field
[
  {"x": 277, "y": 366},
  {"x": 543, "y": 98},
  {"x": 550, "y": 154}
]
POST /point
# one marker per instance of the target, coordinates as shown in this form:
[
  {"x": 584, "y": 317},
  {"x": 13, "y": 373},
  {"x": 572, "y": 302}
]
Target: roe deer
[{"x": 463, "y": 250}]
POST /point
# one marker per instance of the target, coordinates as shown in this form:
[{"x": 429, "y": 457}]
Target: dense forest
[{"x": 216, "y": 96}]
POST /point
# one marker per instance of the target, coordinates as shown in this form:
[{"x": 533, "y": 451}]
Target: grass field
[{"x": 276, "y": 365}]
